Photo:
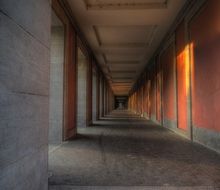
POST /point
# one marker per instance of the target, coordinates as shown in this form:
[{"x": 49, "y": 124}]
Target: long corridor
[
  {"x": 110, "y": 94},
  {"x": 124, "y": 151}
]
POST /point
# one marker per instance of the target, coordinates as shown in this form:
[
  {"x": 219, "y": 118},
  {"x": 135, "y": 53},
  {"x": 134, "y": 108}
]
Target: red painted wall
[
  {"x": 70, "y": 85},
  {"x": 158, "y": 91},
  {"x": 205, "y": 37},
  {"x": 153, "y": 91},
  {"x": 145, "y": 96},
  {"x": 69, "y": 128},
  {"x": 167, "y": 63},
  {"x": 139, "y": 100},
  {"x": 142, "y": 99},
  {"x": 181, "y": 70},
  {"x": 148, "y": 98}
]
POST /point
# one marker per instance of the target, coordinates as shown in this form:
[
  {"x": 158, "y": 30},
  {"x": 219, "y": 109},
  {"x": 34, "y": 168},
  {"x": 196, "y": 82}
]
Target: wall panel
[
  {"x": 182, "y": 76},
  {"x": 24, "y": 94},
  {"x": 153, "y": 92},
  {"x": 158, "y": 91},
  {"x": 205, "y": 49},
  {"x": 205, "y": 37},
  {"x": 168, "y": 88},
  {"x": 69, "y": 73}
]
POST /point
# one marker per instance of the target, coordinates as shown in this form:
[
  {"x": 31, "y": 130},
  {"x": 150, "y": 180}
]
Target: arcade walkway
[
  {"x": 125, "y": 150},
  {"x": 66, "y": 65}
]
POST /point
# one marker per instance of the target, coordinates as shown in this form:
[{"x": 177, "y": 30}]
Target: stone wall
[
  {"x": 24, "y": 90},
  {"x": 56, "y": 85},
  {"x": 94, "y": 95},
  {"x": 81, "y": 89}
]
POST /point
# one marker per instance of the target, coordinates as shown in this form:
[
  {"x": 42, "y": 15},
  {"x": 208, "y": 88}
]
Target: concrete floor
[{"x": 123, "y": 151}]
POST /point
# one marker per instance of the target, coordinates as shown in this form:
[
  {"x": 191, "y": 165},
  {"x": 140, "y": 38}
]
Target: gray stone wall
[
  {"x": 104, "y": 100},
  {"x": 56, "y": 85},
  {"x": 81, "y": 90},
  {"x": 24, "y": 89},
  {"x": 100, "y": 97},
  {"x": 207, "y": 137},
  {"x": 94, "y": 95}
]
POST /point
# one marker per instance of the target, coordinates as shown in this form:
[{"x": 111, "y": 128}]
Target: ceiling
[{"x": 124, "y": 34}]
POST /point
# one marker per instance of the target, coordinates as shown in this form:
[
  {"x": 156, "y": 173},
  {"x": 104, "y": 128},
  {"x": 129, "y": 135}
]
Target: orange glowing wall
[
  {"x": 182, "y": 77},
  {"x": 205, "y": 36},
  {"x": 167, "y": 63}
]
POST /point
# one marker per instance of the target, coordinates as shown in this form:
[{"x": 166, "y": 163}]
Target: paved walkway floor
[{"x": 123, "y": 151}]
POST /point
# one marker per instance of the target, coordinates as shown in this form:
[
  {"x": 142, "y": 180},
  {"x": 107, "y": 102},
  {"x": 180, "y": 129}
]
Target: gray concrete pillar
[
  {"x": 56, "y": 81},
  {"x": 94, "y": 95},
  {"x": 101, "y": 97},
  {"x": 24, "y": 90},
  {"x": 81, "y": 89}
]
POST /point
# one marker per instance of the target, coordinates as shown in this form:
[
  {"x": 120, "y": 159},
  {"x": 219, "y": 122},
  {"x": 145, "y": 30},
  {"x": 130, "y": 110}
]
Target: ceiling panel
[
  {"x": 121, "y": 68},
  {"x": 124, "y": 36},
  {"x": 122, "y": 57},
  {"x": 125, "y": 4},
  {"x": 123, "y": 74},
  {"x": 123, "y": 63}
]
